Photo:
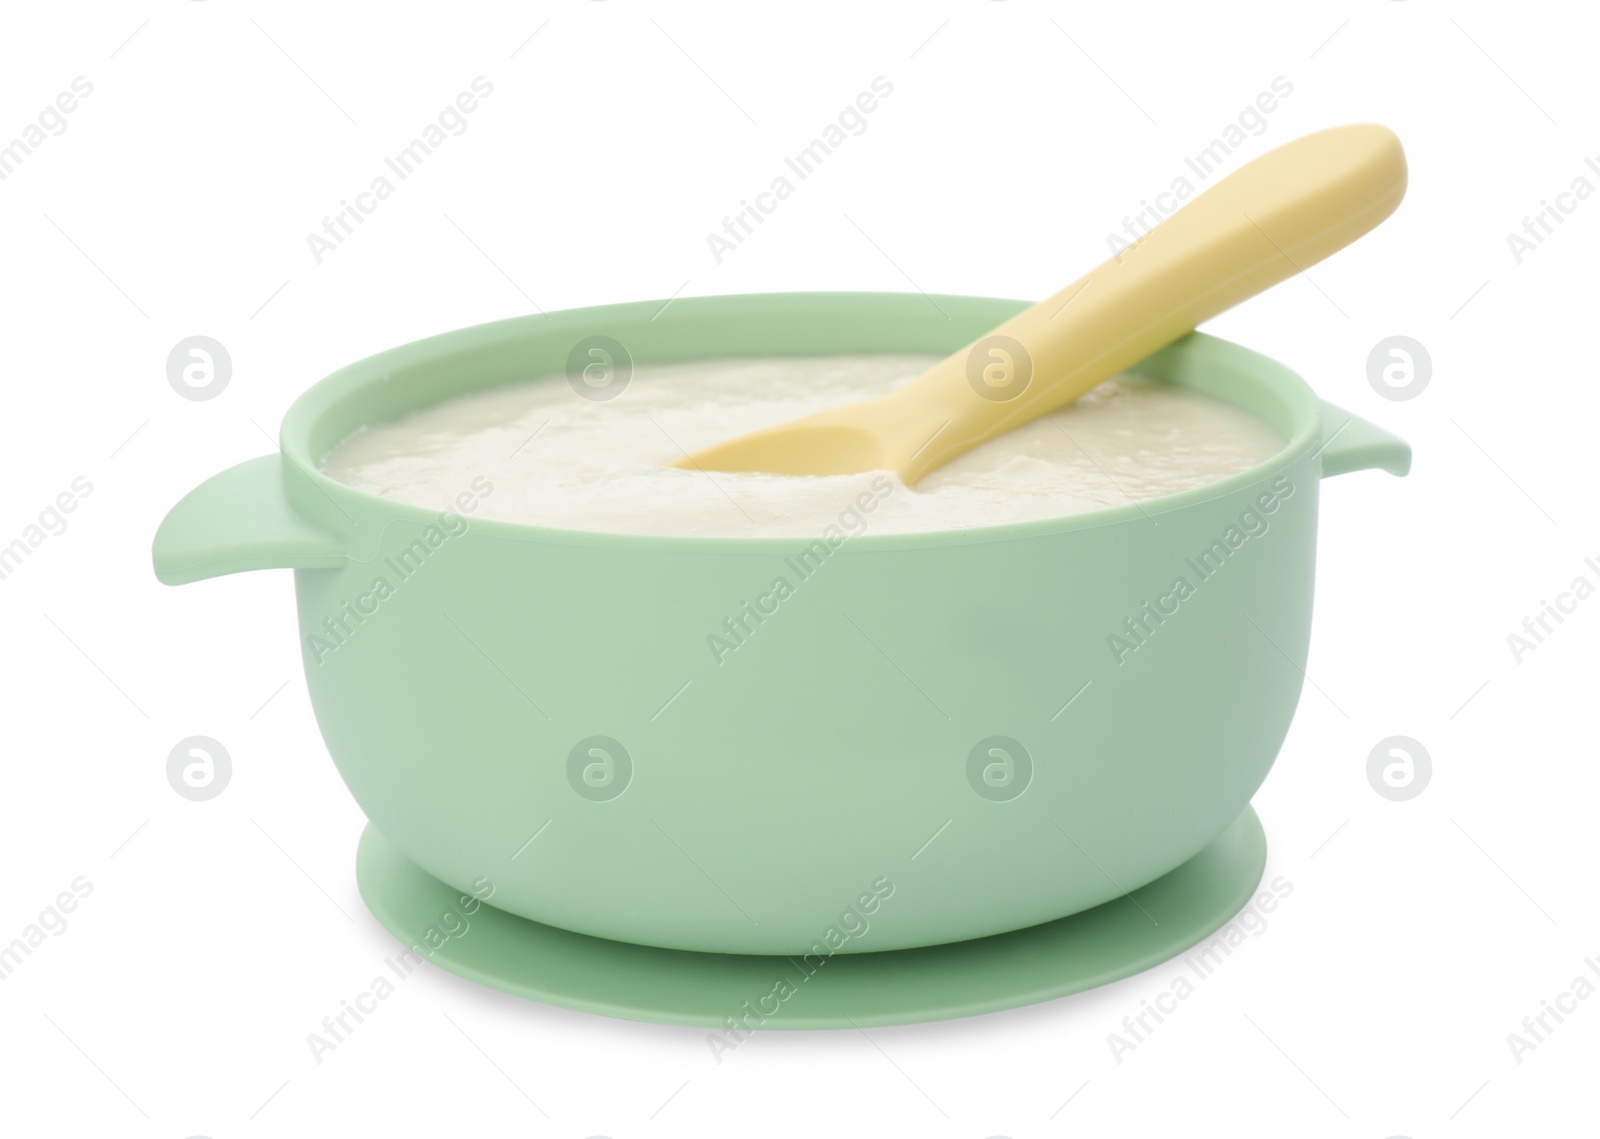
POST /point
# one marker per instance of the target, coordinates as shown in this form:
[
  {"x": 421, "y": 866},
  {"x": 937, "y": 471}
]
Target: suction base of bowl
[{"x": 855, "y": 990}]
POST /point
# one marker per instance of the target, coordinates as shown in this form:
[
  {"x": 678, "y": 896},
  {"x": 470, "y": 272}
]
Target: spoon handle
[{"x": 1265, "y": 222}]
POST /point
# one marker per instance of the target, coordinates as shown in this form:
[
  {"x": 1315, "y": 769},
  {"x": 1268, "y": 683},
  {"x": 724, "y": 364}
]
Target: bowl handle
[
  {"x": 1350, "y": 443},
  {"x": 240, "y": 520}
]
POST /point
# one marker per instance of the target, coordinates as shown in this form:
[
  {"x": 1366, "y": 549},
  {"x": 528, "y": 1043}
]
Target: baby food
[{"x": 555, "y": 459}]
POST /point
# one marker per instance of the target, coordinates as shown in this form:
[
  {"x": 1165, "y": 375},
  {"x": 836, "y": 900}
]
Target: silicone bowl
[{"x": 933, "y": 737}]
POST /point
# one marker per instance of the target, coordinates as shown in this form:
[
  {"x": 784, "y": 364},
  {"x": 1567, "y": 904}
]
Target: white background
[{"x": 178, "y": 999}]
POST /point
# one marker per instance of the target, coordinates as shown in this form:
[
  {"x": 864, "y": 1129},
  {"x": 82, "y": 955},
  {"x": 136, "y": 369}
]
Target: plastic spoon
[{"x": 1267, "y": 221}]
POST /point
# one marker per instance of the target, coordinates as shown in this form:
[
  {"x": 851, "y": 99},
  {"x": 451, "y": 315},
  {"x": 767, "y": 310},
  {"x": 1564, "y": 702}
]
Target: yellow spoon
[{"x": 1267, "y": 221}]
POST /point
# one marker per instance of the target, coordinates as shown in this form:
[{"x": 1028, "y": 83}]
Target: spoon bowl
[{"x": 746, "y": 792}]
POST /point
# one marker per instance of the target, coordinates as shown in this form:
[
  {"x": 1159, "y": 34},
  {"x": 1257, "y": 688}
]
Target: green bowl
[{"x": 927, "y": 738}]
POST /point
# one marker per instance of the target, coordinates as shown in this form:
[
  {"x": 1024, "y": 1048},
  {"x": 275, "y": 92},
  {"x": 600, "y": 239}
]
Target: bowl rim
[{"x": 1212, "y": 355}]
